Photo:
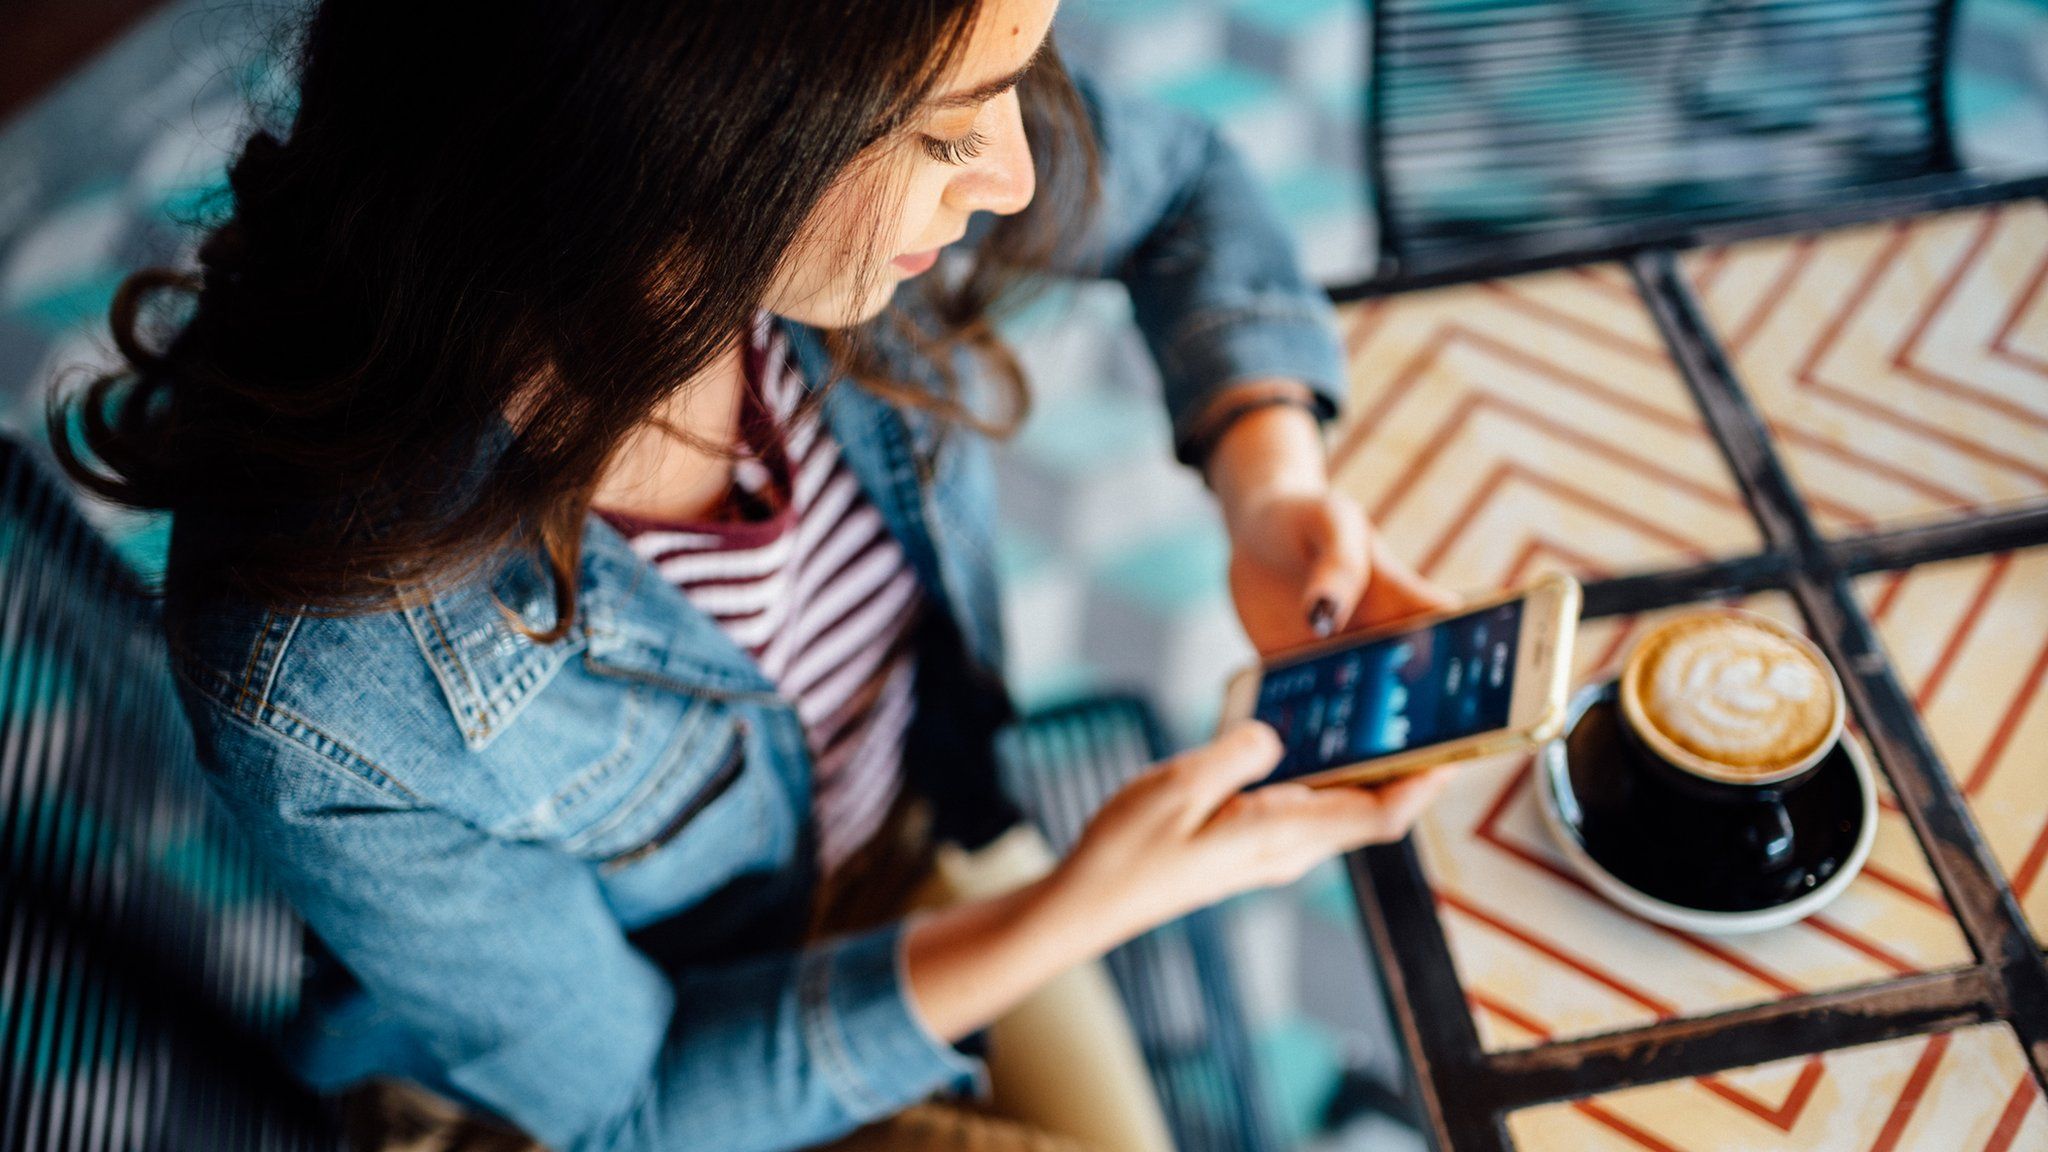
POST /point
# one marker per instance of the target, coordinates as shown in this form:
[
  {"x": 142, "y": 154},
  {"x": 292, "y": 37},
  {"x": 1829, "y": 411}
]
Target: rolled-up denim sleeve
[
  {"x": 1215, "y": 285},
  {"x": 504, "y": 959}
]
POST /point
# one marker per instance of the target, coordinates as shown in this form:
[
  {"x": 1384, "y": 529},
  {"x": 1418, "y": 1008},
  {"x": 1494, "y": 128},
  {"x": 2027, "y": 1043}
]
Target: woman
[{"x": 579, "y": 563}]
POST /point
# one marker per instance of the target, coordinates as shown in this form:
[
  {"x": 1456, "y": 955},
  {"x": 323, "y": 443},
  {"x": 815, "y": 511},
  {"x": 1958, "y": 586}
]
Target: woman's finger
[
  {"x": 1205, "y": 777},
  {"x": 1338, "y": 543},
  {"x": 1340, "y": 819},
  {"x": 1396, "y": 590}
]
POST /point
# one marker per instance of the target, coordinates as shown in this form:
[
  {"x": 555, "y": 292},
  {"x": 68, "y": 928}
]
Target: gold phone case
[{"x": 1547, "y": 723}]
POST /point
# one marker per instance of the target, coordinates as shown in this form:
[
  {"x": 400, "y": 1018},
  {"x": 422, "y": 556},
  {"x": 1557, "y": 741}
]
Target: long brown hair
[{"x": 470, "y": 198}]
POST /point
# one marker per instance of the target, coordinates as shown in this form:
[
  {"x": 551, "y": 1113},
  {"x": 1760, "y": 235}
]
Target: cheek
[
  {"x": 821, "y": 282},
  {"x": 922, "y": 200},
  {"x": 827, "y": 256}
]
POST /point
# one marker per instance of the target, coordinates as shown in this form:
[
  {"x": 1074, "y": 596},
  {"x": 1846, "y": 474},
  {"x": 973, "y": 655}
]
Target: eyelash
[{"x": 958, "y": 151}]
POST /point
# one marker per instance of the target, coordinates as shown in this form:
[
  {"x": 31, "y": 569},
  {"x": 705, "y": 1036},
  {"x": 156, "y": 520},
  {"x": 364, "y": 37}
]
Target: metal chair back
[
  {"x": 146, "y": 967},
  {"x": 1515, "y": 130},
  {"x": 1176, "y": 981}
]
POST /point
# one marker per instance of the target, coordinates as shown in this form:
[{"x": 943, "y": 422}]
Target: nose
[{"x": 1002, "y": 179}]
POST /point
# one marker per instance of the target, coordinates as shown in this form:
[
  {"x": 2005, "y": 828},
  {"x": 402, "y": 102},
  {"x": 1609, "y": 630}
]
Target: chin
[{"x": 843, "y": 309}]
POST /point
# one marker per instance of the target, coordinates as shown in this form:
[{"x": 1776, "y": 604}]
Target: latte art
[{"x": 1745, "y": 701}]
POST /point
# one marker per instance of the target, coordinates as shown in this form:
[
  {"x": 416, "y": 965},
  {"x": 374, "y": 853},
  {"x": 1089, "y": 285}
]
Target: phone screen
[{"x": 1453, "y": 679}]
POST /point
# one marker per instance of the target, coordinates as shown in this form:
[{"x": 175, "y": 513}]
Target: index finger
[{"x": 1396, "y": 591}]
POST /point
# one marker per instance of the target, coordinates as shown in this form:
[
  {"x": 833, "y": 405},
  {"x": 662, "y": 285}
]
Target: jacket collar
[
  {"x": 639, "y": 625},
  {"x": 882, "y": 446}
]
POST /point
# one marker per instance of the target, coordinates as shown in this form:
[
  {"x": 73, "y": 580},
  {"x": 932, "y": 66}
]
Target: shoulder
[
  {"x": 443, "y": 704},
  {"x": 407, "y": 699},
  {"x": 254, "y": 679}
]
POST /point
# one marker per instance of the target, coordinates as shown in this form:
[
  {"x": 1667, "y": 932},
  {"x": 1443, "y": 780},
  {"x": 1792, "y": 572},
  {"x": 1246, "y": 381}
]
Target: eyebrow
[{"x": 981, "y": 94}]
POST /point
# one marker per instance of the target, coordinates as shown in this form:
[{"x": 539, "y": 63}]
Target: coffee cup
[{"x": 1733, "y": 709}]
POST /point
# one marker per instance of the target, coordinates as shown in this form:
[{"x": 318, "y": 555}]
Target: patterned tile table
[
  {"x": 1502, "y": 428},
  {"x": 1542, "y": 957},
  {"x": 1969, "y": 1090},
  {"x": 1902, "y": 367},
  {"x": 1847, "y": 431},
  {"x": 1970, "y": 640}
]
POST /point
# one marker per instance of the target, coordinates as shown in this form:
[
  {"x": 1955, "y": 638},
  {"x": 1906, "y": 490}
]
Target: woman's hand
[
  {"x": 1182, "y": 836},
  {"x": 1186, "y": 834},
  {"x": 1306, "y": 567},
  {"x": 1304, "y": 560}
]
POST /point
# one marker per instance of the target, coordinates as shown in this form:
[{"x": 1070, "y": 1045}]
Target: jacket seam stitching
[
  {"x": 353, "y": 764},
  {"x": 579, "y": 789},
  {"x": 448, "y": 651},
  {"x": 671, "y": 763},
  {"x": 721, "y": 783},
  {"x": 525, "y": 672},
  {"x": 529, "y": 671},
  {"x": 284, "y": 643},
  {"x": 249, "y": 669},
  {"x": 353, "y": 759},
  {"x": 436, "y": 658},
  {"x": 815, "y": 991}
]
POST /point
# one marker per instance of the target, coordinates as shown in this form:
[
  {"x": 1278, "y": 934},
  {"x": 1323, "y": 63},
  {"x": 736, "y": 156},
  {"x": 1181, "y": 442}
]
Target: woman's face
[{"x": 962, "y": 152}]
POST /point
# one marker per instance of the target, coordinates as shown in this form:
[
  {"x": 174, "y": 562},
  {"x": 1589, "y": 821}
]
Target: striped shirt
[{"x": 799, "y": 569}]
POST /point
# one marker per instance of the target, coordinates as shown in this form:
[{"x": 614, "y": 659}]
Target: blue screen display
[{"x": 1451, "y": 680}]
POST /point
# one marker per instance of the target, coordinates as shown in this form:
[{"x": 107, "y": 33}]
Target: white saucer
[{"x": 1551, "y": 766}]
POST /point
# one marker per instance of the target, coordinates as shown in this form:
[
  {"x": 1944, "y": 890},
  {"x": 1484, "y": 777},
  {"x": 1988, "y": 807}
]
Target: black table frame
[{"x": 1463, "y": 1093}]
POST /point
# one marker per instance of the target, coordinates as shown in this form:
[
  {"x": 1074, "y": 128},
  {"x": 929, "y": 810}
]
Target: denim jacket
[{"x": 564, "y": 882}]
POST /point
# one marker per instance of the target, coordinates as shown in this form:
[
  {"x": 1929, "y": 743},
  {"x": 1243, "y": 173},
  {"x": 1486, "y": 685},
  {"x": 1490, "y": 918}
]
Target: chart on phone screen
[{"x": 1394, "y": 693}]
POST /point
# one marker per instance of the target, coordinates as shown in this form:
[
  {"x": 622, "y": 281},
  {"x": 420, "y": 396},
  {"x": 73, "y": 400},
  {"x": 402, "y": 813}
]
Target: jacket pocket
[
  {"x": 717, "y": 785},
  {"x": 680, "y": 769}
]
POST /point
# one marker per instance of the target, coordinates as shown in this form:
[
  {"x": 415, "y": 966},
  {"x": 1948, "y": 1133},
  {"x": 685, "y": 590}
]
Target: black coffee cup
[
  {"x": 1751, "y": 828},
  {"x": 1700, "y": 858}
]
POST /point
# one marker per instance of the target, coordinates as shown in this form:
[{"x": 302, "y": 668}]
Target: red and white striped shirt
[{"x": 800, "y": 570}]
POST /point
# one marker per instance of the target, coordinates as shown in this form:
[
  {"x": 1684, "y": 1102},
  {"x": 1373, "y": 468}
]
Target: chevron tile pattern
[
  {"x": 1969, "y": 639},
  {"x": 1902, "y": 367},
  {"x": 1499, "y": 429},
  {"x": 1543, "y": 957},
  {"x": 1504, "y": 428},
  {"x": 1963, "y": 1091}
]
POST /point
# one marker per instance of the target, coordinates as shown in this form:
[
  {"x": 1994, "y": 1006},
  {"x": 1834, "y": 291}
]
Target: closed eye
[{"x": 956, "y": 151}]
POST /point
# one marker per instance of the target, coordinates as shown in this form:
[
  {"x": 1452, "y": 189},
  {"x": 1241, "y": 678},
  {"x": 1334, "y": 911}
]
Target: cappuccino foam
[{"x": 1735, "y": 694}]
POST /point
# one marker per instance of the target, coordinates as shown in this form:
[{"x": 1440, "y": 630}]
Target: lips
[
  {"x": 913, "y": 263},
  {"x": 917, "y": 262}
]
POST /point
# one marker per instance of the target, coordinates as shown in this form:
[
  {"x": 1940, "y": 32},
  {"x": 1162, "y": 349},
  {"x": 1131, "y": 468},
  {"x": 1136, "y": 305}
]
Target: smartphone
[{"x": 1369, "y": 706}]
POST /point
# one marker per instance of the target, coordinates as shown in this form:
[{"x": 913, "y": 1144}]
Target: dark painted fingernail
[{"x": 1323, "y": 617}]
